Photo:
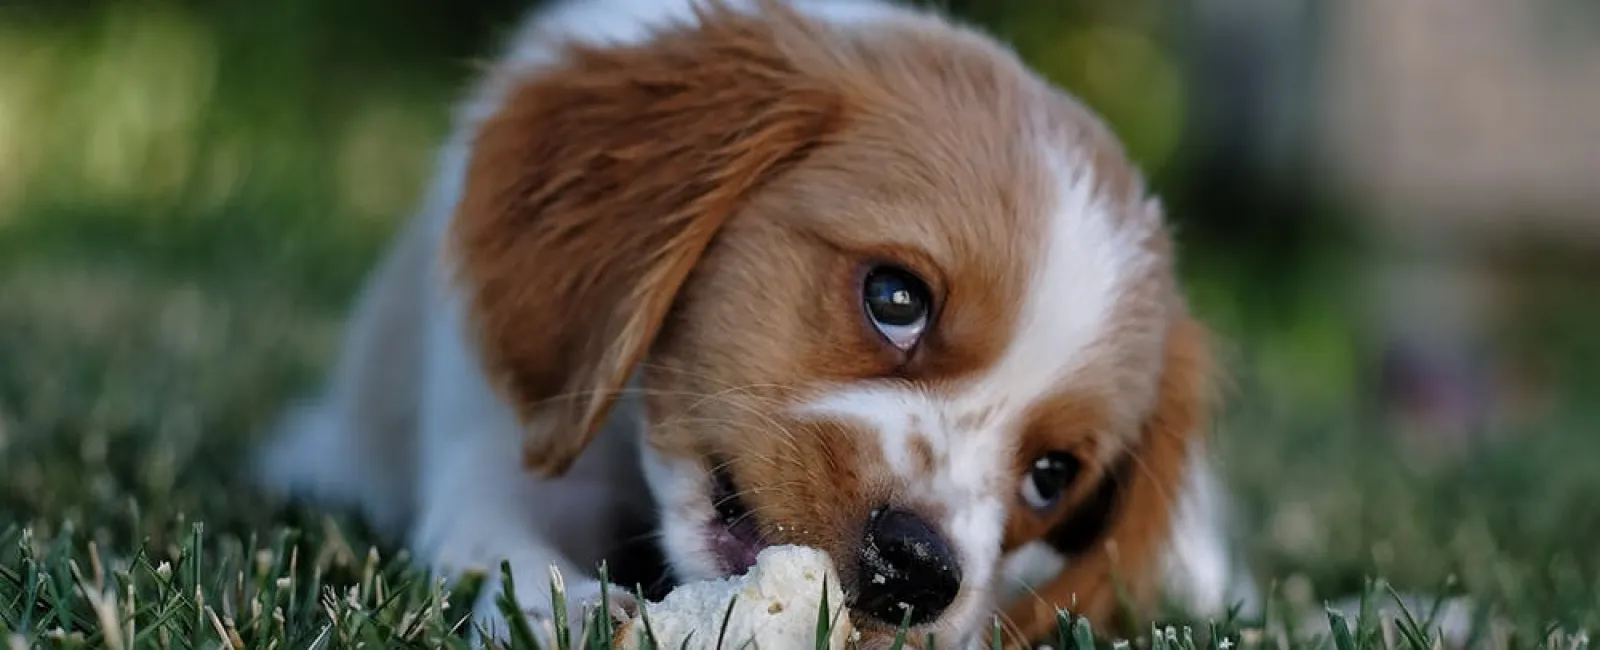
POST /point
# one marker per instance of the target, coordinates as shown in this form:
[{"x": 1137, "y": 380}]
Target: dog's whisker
[
  {"x": 1167, "y": 493},
  {"x": 1009, "y": 624},
  {"x": 650, "y": 365},
  {"x": 626, "y": 391},
  {"x": 749, "y": 513},
  {"x": 725, "y": 397},
  {"x": 711, "y": 329},
  {"x": 1030, "y": 591},
  {"x": 723, "y": 386},
  {"x": 776, "y": 427}
]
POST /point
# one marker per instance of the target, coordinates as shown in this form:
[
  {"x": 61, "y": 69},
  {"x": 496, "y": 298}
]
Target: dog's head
[{"x": 885, "y": 292}]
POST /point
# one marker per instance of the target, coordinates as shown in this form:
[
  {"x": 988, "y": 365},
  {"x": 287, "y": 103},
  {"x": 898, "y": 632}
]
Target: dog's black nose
[{"x": 904, "y": 563}]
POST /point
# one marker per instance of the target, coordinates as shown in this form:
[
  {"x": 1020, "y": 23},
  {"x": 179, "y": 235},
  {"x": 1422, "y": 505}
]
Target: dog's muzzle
[{"x": 904, "y": 564}]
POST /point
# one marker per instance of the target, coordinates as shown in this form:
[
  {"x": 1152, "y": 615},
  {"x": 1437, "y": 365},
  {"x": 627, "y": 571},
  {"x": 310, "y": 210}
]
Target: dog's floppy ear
[
  {"x": 592, "y": 193},
  {"x": 1115, "y": 547}
]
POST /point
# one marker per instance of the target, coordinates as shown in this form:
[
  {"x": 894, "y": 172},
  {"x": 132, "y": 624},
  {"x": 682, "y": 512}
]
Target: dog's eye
[
  {"x": 1048, "y": 479},
  {"x": 898, "y": 303}
]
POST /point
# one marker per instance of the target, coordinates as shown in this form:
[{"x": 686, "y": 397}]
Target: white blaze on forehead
[
  {"x": 1084, "y": 259},
  {"x": 966, "y": 465},
  {"x": 1080, "y": 273}
]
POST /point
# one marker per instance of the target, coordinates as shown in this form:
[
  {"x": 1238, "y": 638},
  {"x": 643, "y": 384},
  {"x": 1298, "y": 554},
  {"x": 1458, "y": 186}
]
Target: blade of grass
[
  {"x": 1158, "y": 641},
  {"x": 192, "y": 579},
  {"x": 727, "y": 618},
  {"x": 1063, "y": 629},
  {"x": 558, "y": 605},
  {"x": 1082, "y": 634},
  {"x": 900, "y": 634},
  {"x": 30, "y": 573},
  {"x": 824, "y": 623},
  {"x": 1441, "y": 594},
  {"x": 1409, "y": 628},
  {"x": 1342, "y": 639},
  {"x": 648, "y": 640},
  {"x": 521, "y": 632},
  {"x": 606, "y": 624}
]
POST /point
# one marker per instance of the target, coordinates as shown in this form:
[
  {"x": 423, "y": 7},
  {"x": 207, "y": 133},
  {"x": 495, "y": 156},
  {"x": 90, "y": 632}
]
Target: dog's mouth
[{"x": 735, "y": 538}]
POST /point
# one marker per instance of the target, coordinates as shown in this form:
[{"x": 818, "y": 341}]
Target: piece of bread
[{"x": 776, "y": 607}]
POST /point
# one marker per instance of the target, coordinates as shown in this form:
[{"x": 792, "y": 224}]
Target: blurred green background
[{"x": 190, "y": 193}]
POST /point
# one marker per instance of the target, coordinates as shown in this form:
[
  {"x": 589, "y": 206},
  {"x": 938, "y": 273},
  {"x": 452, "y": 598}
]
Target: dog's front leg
[
  {"x": 479, "y": 509},
  {"x": 478, "y": 505}
]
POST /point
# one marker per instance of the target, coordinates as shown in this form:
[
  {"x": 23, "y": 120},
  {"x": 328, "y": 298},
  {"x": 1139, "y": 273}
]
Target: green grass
[
  {"x": 133, "y": 379},
  {"x": 167, "y": 284}
]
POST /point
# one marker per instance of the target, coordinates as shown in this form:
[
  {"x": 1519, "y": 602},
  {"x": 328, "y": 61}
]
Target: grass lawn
[
  {"x": 152, "y": 322},
  {"x": 139, "y": 357}
]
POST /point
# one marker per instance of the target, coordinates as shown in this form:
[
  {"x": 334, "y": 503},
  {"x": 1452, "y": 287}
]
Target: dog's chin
[
  {"x": 733, "y": 536},
  {"x": 720, "y": 537},
  {"x": 707, "y": 532}
]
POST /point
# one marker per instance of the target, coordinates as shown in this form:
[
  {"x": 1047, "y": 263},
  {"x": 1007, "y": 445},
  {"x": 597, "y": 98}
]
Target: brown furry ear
[
  {"x": 592, "y": 193},
  {"x": 1136, "y": 521}
]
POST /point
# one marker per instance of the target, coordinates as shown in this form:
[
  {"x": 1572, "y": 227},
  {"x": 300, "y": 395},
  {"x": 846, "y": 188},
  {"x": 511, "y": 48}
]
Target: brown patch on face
[
  {"x": 1139, "y": 522},
  {"x": 1089, "y": 519},
  {"x": 976, "y": 418},
  {"x": 703, "y": 208},
  {"x": 937, "y": 172},
  {"x": 1074, "y": 423},
  {"x": 922, "y": 454},
  {"x": 593, "y": 191}
]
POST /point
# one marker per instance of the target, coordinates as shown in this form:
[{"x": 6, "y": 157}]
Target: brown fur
[
  {"x": 591, "y": 195},
  {"x": 1126, "y": 562},
  {"x": 1072, "y": 422},
  {"x": 922, "y": 453},
  {"x": 617, "y": 201},
  {"x": 881, "y": 192}
]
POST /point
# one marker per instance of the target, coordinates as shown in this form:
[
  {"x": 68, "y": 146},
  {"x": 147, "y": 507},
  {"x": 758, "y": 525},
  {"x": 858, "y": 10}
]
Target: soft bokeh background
[{"x": 1389, "y": 210}]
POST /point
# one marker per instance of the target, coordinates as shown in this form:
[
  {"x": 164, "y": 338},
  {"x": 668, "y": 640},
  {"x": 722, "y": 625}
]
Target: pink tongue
[{"x": 737, "y": 555}]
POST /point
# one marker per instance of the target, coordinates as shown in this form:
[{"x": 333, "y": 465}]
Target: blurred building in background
[
  {"x": 1465, "y": 134},
  {"x": 1468, "y": 127}
]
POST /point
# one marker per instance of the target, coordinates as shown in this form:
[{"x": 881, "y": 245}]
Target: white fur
[
  {"x": 966, "y": 465},
  {"x": 1200, "y": 570},
  {"x": 446, "y": 472},
  {"x": 438, "y": 461},
  {"x": 1084, "y": 262},
  {"x": 680, "y": 490},
  {"x": 1202, "y": 573},
  {"x": 1088, "y": 261}
]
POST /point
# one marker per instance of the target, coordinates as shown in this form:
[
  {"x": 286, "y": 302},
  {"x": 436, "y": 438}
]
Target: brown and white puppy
[{"x": 838, "y": 273}]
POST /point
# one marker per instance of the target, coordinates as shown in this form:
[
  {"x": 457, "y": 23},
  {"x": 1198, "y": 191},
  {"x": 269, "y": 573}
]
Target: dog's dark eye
[
  {"x": 1048, "y": 479},
  {"x": 898, "y": 303}
]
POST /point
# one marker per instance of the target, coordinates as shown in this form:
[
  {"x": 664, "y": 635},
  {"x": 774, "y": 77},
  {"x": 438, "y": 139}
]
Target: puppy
[{"x": 838, "y": 273}]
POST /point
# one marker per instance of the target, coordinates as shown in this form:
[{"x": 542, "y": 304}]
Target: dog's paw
[
  {"x": 584, "y": 600},
  {"x": 537, "y": 608},
  {"x": 582, "y": 604}
]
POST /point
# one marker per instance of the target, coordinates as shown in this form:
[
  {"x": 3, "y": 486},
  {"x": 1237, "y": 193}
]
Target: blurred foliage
[
  {"x": 157, "y": 123},
  {"x": 243, "y": 143},
  {"x": 1116, "y": 56},
  {"x": 191, "y": 191},
  {"x": 237, "y": 142}
]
